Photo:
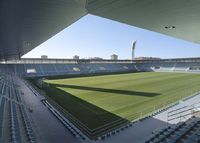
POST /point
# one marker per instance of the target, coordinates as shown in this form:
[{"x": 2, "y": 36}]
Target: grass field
[{"x": 100, "y": 103}]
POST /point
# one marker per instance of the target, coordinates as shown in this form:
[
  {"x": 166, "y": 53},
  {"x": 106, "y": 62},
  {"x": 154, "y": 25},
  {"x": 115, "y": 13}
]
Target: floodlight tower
[{"x": 133, "y": 50}]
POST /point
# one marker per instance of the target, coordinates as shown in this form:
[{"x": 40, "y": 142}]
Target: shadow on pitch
[
  {"x": 106, "y": 90},
  {"x": 89, "y": 118}
]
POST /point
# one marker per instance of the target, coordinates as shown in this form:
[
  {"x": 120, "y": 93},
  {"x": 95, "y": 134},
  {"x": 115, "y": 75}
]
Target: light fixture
[{"x": 170, "y": 27}]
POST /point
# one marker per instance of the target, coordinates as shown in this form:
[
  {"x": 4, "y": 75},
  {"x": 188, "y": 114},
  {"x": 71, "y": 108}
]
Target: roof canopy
[{"x": 26, "y": 24}]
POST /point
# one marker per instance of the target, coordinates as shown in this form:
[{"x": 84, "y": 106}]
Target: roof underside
[
  {"x": 154, "y": 15},
  {"x": 26, "y": 24}
]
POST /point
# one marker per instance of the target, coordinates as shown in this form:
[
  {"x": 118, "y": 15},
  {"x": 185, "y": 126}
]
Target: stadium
[{"x": 96, "y": 100}]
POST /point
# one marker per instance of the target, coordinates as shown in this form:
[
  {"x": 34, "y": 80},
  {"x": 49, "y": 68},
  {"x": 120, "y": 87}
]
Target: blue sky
[{"x": 94, "y": 36}]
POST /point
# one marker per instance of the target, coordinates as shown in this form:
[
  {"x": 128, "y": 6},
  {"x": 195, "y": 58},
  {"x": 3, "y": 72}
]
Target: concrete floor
[{"x": 47, "y": 127}]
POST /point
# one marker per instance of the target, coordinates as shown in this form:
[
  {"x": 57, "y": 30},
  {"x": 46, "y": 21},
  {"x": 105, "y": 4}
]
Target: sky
[{"x": 93, "y": 36}]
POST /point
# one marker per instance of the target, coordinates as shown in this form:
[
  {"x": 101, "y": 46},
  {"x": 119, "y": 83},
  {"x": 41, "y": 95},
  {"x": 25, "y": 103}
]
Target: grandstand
[
  {"x": 52, "y": 67},
  {"x": 100, "y": 101},
  {"x": 14, "y": 100},
  {"x": 17, "y": 118}
]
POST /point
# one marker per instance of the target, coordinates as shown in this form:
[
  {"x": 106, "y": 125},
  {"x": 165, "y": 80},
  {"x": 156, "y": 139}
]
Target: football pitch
[{"x": 101, "y": 103}]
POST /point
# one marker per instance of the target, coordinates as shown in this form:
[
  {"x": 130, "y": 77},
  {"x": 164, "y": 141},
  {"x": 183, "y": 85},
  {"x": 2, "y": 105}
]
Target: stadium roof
[{"x": 26, "y": 24}]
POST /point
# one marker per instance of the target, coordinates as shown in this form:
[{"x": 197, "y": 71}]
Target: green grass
[{"x": 99, "y": 100}]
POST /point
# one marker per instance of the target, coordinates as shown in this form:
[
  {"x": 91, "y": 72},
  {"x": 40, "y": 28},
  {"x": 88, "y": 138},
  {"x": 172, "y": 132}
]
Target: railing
[
  {"x": 63, "y": 61},
  {"x": 153, "y": 110},
  {"x": 183, "y": 112}
]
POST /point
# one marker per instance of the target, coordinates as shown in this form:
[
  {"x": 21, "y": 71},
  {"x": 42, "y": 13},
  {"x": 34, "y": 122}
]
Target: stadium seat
[{"x": 181, "y": 132}]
